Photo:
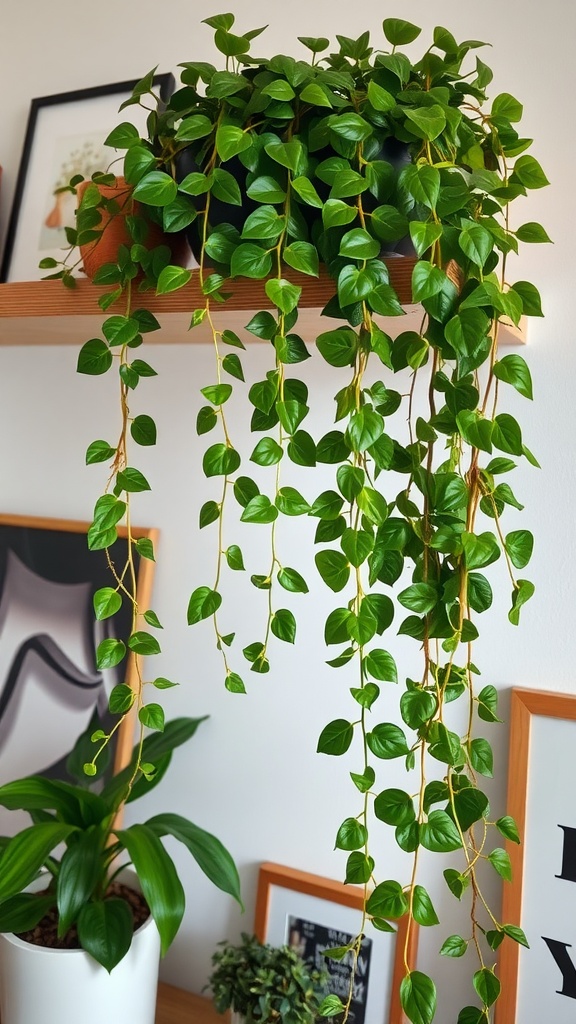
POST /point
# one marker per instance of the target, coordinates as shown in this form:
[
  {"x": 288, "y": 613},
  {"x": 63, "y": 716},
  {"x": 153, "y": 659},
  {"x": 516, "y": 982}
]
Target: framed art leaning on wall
[
  {"x": 65, "y": 136},
  {"x": 48, "y": 639},
  {"x": 311, "y": 914},
  {"x": 539, "y": 983}
]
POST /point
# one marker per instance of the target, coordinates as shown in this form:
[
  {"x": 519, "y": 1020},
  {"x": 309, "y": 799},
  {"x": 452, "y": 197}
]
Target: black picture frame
[{"x": 36, "y": 166}]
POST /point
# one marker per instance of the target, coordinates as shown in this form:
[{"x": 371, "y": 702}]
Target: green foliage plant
[
  {"x": 283, "y": 169},
  {"x": 97, "y": 849},
  {"x": 266, "y": 984}
]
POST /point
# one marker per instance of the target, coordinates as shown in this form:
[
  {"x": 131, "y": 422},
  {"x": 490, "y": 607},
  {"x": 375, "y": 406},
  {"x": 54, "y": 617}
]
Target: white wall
[{"x": 251, "y": 774}]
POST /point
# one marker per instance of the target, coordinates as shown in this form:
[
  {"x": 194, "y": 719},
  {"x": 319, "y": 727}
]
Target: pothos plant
[{"x": 321, "y": 166}]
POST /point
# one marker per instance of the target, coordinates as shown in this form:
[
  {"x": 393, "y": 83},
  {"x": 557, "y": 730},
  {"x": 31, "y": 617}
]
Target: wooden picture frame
[
  {"x": 48, "y": 639},
  {"x": 64, "y": 136},
  {"x": 287, "y": 899},
  {"x": 540, "y": 983}
]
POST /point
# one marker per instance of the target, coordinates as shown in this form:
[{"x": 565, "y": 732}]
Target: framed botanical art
[
  {"x": 539, "y": 983},
  {"x": 65, "y": 136},
  {"x": 311, "y": 914},
  {"x": 50, "y": 688}
]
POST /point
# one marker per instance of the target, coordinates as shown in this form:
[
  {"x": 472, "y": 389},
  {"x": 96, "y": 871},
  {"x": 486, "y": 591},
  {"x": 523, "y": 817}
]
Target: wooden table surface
[{"x": 175, "y": 1006}]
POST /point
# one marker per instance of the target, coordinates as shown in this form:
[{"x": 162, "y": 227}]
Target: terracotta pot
[
  {"x": 115, "y": 232},
  {"x": 65, "y": 986}
]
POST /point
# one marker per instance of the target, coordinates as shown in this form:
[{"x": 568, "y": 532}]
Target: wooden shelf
[{"x": 46, "y": 313}]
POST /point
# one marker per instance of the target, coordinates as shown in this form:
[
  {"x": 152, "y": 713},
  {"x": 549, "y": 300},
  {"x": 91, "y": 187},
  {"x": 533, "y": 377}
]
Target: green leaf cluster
[{"x": 263, "y": 982}]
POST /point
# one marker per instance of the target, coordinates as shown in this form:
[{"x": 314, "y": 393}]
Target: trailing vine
[
  {"x": 280, "y": 166},
  {"x": 122, "y": 334},
  {"x": 112, "y": 506}
]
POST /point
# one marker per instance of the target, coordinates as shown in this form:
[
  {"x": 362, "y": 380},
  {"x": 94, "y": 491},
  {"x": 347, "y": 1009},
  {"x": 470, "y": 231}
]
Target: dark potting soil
[{"x": 46, "y": 931}]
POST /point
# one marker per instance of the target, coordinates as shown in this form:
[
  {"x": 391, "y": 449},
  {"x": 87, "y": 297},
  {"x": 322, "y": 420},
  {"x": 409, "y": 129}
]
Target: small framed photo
[
  {"x": 311, "y": 914},
  {"x": 51, "y": 690},
  {"x": 64, "y": 136},
  {"x": 539, "y": 983}
]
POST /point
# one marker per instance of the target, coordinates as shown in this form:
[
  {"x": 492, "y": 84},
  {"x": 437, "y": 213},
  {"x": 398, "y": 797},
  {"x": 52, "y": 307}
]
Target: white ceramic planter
[{"x": 66, "y": 986}]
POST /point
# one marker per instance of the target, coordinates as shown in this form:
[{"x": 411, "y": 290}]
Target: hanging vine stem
[
  {"x": 220, "y": 458},
  {"x": 97, "y": 356},
  {"x": 130, "y": 698},
  {"x": 262, "y": 457},
  {"x": 123, "y": 699}
]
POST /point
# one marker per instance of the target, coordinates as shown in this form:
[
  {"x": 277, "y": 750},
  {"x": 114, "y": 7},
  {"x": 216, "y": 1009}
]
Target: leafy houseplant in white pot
[
  {"x": 419, "y": 506},
  {"x": 263, "y": 984},
  {"x": 101, "y": 969},
  {"x": 43, "y": 983}
]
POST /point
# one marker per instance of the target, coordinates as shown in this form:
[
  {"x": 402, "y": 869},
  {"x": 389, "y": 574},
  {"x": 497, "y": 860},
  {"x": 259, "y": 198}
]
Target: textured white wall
[{"x": 251, "y": 774}]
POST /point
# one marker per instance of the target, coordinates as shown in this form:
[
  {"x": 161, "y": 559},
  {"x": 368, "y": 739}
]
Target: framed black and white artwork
[{"x": 50, "y": 688}]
